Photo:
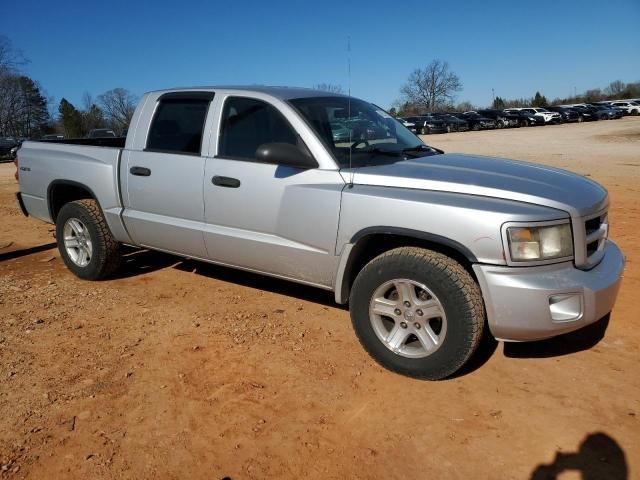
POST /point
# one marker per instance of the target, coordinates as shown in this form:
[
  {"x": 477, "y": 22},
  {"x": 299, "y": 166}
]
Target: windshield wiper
[
  {"x": 421, "y": 148},
  {"x": 381, "y": 151}
]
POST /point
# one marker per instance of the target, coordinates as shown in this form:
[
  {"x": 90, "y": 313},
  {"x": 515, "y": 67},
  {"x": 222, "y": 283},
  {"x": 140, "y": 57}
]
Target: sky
[{"x": 513, "y": 47}]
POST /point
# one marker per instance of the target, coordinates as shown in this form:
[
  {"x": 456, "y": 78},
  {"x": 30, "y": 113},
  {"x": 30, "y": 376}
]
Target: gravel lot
[{"x": 179, "y": 369}]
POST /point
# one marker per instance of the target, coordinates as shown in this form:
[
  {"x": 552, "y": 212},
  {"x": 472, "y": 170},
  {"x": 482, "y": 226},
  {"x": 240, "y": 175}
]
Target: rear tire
[
  {"x": 417, "y": 312},
  {"x": 85, "y": 242}
]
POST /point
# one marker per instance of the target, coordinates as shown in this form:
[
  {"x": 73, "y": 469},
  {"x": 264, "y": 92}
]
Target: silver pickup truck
[{"x": 429, "y": 249}]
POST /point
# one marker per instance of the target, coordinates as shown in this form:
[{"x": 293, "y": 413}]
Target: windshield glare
[{"x": 352, "y": 128}]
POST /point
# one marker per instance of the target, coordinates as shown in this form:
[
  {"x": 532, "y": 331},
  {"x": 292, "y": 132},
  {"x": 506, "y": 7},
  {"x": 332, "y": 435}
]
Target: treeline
[
  {"x": 26, "y": 111},
  {"x": 616, "y": 90},
  {"x": 434, "y": 87},
  {"x": 112, "y": 109}
]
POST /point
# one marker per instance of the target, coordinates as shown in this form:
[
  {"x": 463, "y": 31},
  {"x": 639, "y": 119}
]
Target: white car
[
  {"x": 549, "y": 117},
  {"x": 630, "y": 108},
  {"x": 407, "y": 124}
]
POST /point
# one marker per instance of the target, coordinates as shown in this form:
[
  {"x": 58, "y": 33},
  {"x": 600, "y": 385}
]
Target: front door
[{"x": 271, "y": 218}]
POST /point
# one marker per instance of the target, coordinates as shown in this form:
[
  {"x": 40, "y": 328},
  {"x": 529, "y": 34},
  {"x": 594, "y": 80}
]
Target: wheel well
[
  {"x": 63, "y": 192},
  {"x": 370, "y": 246}
]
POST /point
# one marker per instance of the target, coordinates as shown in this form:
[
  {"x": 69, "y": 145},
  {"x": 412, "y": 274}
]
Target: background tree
[
  {"x": 615, "y": 88},
  {"x": 329, "y": 87},
  {"x": 465, "y": 106},
  {"x": 498, "y": 103},
  {"x": 70, "y": 119},
  {"x": 432, "y": 87},
  {"x": 11, "y": 59},
  {"x": 117, "y": 106},
  {"x": 393, "y": 111},
  {"x": 539, "y": 100}
]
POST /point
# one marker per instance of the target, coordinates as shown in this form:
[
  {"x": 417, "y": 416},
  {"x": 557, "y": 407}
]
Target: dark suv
[
  {"x": 568, "y": 114},
  {"x": 452, "y": 123},
  {"x": 476, "y": 121},
  {"x": 426, "y": 124},
  {"x": 502, "y": 119}
]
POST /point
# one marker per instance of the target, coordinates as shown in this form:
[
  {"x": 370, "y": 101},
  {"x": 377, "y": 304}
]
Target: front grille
[{"x": 596, "y": 229}]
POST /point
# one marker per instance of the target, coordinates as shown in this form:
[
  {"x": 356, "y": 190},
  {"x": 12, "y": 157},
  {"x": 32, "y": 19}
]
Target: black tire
[
  {"x": 580, "y": 119},
  {"x": 453, "y": 287},
  {"x": 105, "y": 258},
  {"x": 475, "y": 127},
  {"x": 525, "y": 122},
  {"x": 449, "y": 129},
  {"x": 421, "y": 131}
]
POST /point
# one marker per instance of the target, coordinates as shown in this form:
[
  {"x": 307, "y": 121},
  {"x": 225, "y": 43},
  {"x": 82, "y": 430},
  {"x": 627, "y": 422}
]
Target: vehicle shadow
[
  {"x": 599, "y": 457},
  {"x": 26, "y": 251},
  {"x": 580, "y": 340},
  {"x": 484, "y": 352},
  {"x": 138, "y": 262}
]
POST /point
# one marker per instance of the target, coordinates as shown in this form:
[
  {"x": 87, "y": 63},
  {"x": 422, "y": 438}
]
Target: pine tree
[{"x": 70, "y": 119}]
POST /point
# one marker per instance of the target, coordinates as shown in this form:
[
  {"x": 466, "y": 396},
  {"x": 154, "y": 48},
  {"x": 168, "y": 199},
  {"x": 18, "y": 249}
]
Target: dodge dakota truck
[{"x": 430, "y": 250}]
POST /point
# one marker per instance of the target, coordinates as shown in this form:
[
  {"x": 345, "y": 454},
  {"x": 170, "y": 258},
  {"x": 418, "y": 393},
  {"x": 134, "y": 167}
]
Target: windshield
[{"x": 358, "y": 131}]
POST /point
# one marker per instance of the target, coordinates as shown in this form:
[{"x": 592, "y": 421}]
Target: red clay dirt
[{"x": 177, "y": 369}]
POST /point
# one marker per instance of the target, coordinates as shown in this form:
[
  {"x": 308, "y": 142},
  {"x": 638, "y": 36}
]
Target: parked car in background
[
  {"x": 591, "y": 113},
  {"x": 608, "y": 113},
  {"x": 527, "y": 119},
  {"x": 630, "y": 108},
  {"x": 427, "y": 124},
  {"x": 407, "y": 124},
  {"x": 503, "y": 119},
  {"x": 568, "y": 114},
  {"x": 476, "y": 121},
  {"x": 619, "y": 112},
  {"x": 7, "y": 146},
  {"x": 452, "y": 123},
  {"x": 549, "y": 117},
  {"x": 53, "y": 136},
  {"x": 101, "y": 133}
]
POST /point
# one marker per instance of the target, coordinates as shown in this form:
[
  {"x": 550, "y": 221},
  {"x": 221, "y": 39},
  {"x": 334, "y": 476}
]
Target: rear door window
[{"x": 178, "y": 125}]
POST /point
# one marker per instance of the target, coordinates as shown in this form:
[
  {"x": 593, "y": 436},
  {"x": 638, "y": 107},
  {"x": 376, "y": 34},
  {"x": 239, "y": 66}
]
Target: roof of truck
[{"x": 283, "y": 93}]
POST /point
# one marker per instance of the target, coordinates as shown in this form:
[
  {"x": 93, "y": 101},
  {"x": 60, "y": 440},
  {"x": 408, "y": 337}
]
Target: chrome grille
[{"x": 590, "y": 239}]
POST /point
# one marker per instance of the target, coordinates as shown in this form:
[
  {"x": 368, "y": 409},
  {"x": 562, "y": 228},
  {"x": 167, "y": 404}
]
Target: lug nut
[
  {"x": 397, "y": 311},
  {"x": 419, "y": 312},
  {"x": 403, "y": 324},
  {"x": 407, "y": 303},
  {"x": 417, "y": 325}
]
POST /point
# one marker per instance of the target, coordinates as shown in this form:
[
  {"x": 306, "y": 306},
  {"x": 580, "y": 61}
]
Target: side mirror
[{"x": 285, "y": 154}]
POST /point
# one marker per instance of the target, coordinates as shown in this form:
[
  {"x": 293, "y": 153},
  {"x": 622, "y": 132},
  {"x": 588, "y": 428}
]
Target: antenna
[{"x": 349, "y": 107}]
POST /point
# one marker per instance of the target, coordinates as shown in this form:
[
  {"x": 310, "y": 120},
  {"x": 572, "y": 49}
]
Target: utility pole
[{"x": 493, "y": 94}]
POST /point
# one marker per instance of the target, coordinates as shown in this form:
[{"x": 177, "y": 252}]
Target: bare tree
[
  {"x": 118, "y": 106},
  {"x": 11, "y": 59},
  {"x": 328, "y": 87},
  {"x": 615, "y": 88},
  {"x": 432, "y": 86}
]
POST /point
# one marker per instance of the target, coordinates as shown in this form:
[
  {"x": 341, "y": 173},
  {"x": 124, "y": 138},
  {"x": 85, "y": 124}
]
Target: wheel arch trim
[{"x": 341, "y": 284}]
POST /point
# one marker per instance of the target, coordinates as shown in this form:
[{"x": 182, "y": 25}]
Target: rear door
[{"x": 162, "y": 183}]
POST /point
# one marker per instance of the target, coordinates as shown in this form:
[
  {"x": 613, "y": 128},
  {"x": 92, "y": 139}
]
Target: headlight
[{"x": 531, "y": 244}]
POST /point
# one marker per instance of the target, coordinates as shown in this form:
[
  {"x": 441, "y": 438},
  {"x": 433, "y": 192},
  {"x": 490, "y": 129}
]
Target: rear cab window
[{"x": 178, "y": 123}]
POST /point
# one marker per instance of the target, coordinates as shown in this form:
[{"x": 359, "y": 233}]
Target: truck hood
[{"x": 489, "y": 177}]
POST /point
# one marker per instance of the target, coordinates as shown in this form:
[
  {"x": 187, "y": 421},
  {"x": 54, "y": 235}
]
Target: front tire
[
  {"x": 417, "y": 312},
  {"x": 85, "y": 242}
]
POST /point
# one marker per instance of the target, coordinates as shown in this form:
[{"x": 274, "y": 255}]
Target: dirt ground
[{"x": 178, "y": 369}]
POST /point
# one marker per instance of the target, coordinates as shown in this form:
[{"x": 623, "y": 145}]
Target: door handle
[
  {"x": 225, "y": 182},
  {"x": 140, "y": 171}
]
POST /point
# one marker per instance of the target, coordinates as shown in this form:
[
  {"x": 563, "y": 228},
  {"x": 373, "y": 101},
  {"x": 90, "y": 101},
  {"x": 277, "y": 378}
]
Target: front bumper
[{"x": 519, "y": 300}]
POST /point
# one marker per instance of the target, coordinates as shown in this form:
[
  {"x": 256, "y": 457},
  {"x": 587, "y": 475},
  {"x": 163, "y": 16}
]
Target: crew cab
[{"x": 430, "y": 250}]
